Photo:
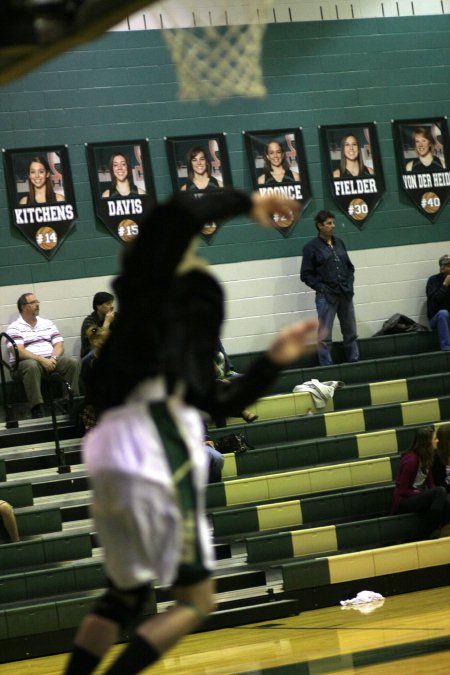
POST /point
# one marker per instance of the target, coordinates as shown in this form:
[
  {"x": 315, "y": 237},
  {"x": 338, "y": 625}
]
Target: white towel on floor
[{"x": 365, "y": 602}]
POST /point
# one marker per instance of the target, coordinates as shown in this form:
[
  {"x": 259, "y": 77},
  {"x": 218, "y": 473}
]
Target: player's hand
[
  {"x": 446, "y": 281},
  {"x": 265, "y": 207},
  {"x": 294, "y": 341}
]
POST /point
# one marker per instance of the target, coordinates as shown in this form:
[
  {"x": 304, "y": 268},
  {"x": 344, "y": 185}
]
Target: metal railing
[
  {"x": 54, "y": 379},
  {"x": 8, "y": 366}
]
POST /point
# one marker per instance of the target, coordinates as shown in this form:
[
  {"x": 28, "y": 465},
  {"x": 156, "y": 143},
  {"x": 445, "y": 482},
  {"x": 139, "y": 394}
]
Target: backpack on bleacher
[
  {"x": 399, "y": 323},
  {"x": 232, "y": 443}
]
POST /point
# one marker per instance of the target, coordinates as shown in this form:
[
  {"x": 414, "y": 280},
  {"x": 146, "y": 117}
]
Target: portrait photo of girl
[
  {"x": 352, "y": 162},
  {"x": 40, "y": 178},
  {"x": 422, "y": 149},
  {"x": 121, "y": 178},
  {"x": 423, "y": 144},
  {"x": 120, "y": 171},
  {"x": 351, "y": 153},
  {"x": 199, "y": 172},
  {"x": 277, "y": 167},
  {"x": 277, "y": 164},
  {"x": 41, "y": 195},
  {"x": 199, "y": 165},
  {"x": 122, "y": 181}
]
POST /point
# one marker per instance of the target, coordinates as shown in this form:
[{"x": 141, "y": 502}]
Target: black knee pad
[{"x": 122, "y": 606}]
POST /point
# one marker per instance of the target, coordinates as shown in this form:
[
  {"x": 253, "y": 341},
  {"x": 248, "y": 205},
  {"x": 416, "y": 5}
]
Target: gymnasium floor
[{"x": 408, "y": 634}]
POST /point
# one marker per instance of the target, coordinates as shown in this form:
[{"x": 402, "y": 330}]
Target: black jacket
[
  {"x": 438, "y": 296},
  {"x": 327, "y": 269}
]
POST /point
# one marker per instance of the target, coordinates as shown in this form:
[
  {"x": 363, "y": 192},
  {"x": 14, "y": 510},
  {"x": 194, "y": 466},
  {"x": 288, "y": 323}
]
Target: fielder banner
[
  {"x": 41, "y": 195},
  {"x": 423, "y": 156},
  {"x": 122, "y": 185},
  {"x": 276, "y": 159},
  {"x": 352, "y": 160}
]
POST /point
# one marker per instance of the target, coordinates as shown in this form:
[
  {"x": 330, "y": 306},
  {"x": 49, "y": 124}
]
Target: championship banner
[
  {"x": 41, "y": 195},
  {"x": 352, "y": 159},
  {"x": 423, "y": 156},
  {"x": 199, "y": 164},
  {"x": 122, "y": 185},
  {"x": 276, "y": 159}
]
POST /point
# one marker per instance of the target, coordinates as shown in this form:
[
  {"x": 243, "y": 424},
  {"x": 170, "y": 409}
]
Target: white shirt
[{"x": 38, "y": 339}]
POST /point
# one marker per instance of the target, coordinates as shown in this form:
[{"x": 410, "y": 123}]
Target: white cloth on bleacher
[{"x": 321, "y": 392}]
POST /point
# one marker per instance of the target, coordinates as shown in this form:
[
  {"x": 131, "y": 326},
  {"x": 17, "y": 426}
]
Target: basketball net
[{"x": 214, "y": 62}]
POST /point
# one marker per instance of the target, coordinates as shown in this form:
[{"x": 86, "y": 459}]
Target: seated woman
[
  {"x": 415, "y": 491},
  {"x": 441, "y": 463}
]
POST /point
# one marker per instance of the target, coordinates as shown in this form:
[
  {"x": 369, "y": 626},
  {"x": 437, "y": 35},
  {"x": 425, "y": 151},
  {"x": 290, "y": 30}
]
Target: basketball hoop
[{"x": 217, "y": 61}]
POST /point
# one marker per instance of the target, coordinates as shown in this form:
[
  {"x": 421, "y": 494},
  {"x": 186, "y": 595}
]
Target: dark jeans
[
  {"x": 441, "y": 321},
  {"x": 433, "y": 503},
  {"x": 326, "y": 313}
]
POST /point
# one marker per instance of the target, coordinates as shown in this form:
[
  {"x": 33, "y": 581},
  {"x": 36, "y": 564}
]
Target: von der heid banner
[
  {"x": 423, "y": 156},
  {"x": 199, "y": 164},
  {"x": 122, "y": 185},
  {"x": 352, "y": 160},
  {"x": 41, "y": 195},
  {"x": 276, "y": 159}
]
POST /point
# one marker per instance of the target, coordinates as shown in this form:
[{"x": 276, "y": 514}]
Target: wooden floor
[{"x": 408, "y": 634}]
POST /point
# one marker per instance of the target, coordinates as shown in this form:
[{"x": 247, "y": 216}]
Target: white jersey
[{"x": 136, "y": 506}]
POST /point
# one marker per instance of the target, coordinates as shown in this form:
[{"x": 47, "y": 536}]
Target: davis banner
[
  {"x": 199, "y": 164},
  {"x": 352, "y": 160},
  {"x": 277, "y": 163},
  {"x": 41, "y": 195},
  {"x": 423, "y": 156},
  {"x": 122, "y": 185}
]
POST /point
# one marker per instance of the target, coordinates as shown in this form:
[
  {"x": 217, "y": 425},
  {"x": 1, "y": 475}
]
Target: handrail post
[
  {"x": 10, "y": 420},
  {"x": 56, "y": 377}
]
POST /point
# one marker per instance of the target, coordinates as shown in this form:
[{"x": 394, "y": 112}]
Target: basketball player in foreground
[{"x": 145, "y": 457}]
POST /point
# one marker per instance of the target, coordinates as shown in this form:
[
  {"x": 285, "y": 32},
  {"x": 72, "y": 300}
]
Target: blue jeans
[
  {"x": 441, "y": 321},
  {"x": 326, "y": 312},
  {"x": 216, "y": 462}
]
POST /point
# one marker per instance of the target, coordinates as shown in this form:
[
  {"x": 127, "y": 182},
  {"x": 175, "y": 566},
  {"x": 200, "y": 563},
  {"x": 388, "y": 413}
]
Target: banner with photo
[
  {"x": 199, "y": 164},
  {"x": 41, "y": 195},
  {"x": 353, "y": 164},
  {"x": 423, "y": 156},
  {"x": 277, "y": 163},
  {"x": 122, "y": 185}
]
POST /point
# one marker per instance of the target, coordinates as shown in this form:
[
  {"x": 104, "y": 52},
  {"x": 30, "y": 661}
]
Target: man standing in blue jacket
[
  {"x": 327, "y": 269},
  {"x": 438, "y": 302}
]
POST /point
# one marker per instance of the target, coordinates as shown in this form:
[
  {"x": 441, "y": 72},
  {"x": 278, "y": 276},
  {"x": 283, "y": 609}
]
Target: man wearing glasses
[{"x": 41, "y": 352}]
